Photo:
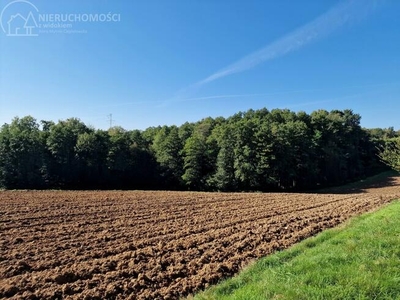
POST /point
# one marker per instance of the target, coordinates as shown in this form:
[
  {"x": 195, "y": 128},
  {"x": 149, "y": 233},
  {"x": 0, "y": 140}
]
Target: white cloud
[{"x": 344, "y": 13}]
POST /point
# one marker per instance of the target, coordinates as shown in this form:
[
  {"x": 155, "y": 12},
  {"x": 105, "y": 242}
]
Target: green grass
[{"x": 358, "y": 260}]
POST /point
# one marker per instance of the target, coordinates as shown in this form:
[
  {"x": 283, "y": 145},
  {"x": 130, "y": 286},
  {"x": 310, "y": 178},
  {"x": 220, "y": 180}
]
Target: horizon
[{"x": 159, "y": 63}]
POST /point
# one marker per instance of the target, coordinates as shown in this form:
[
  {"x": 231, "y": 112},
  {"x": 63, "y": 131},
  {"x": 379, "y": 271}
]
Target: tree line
[{"x": 257, "y": 150}]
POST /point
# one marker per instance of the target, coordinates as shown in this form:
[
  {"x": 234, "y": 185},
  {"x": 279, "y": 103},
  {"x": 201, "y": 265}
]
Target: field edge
[{"x": 319, "y": 268}]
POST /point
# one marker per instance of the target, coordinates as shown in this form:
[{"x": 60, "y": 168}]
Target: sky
[{"x": 164, "y": 62}]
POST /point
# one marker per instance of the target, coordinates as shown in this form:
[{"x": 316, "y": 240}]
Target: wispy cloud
[
  {"x": 184, "y": 96},
  {"x": 346, "y": 12},
  {"x": 243, "y": 96}
]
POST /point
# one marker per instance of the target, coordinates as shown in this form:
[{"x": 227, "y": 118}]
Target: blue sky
[{"x": 167, "y": 62}]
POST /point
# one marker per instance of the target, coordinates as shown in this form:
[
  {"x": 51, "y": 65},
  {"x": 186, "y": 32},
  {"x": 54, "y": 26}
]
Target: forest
[{"x": 257, "y": 150}]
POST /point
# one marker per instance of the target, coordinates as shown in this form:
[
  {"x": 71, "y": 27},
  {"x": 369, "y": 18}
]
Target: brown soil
[{"x": 155, "y": 245}]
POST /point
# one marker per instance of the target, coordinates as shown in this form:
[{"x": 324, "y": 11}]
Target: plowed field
[{"x": 155, "y": 245}]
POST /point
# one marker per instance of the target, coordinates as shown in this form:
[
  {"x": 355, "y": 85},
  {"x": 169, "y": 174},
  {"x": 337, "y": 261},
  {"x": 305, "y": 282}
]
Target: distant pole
[{"x": 110, "y": 119}]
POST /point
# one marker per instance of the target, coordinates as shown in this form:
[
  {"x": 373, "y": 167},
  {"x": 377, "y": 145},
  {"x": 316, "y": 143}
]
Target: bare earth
[{"x": 155, "y": 245}]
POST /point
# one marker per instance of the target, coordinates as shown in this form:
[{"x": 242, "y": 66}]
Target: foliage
[
  {"x": 21, "y": 154},
  {"x": 254, "y": 150},
  {"x": 390, "y": 153}
]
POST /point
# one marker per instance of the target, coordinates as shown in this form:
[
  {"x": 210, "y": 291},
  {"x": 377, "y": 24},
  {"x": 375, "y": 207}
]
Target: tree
[
  {"x": 21, "y": 154},
  {"x": 254, "y": 150},
  {"x": 246, "y": 160},
  {"x": 194, "y": 162},
  {"x": 91, "y": 152},
  {"x": 390, "y": 154},
  {"x": 167, "y": 147},
  {"x": 61, "y": 142},
  {"x": 119, "y": 159},
  {"x": 224, "y": 175}
]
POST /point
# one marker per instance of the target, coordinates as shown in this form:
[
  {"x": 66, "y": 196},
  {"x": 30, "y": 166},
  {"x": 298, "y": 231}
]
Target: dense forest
[{"x": 258, "y": 150}]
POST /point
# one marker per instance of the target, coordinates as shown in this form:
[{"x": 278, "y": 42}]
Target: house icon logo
[{"x": 18, "y": 18}]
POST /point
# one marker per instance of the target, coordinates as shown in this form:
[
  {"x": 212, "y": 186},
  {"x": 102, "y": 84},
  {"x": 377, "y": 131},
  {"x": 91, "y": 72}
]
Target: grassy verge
[{"x": 358, "y": 260}]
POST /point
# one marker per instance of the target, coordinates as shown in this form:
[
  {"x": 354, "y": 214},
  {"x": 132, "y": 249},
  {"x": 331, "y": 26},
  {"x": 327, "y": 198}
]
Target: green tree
[
  {"x": 61, "y": 142},
  {"x": 292, "y": 148},
  {"x": 119, "y": 156},
  {"x": 224, "y": 177},
  {"x": 389, "y": 154},
  {"x": 167, "y": 147},
  {"x": 21, "y": 154},
  {"x": 246, "y": 160},
  {"x": 194, "y": 162},
  {"x": 253, "y": 150},
  {"x": 91, "y": 151}
]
